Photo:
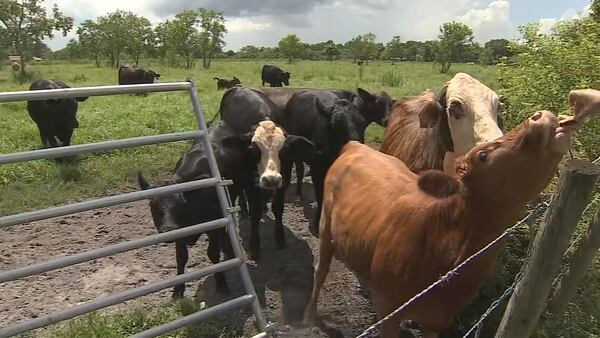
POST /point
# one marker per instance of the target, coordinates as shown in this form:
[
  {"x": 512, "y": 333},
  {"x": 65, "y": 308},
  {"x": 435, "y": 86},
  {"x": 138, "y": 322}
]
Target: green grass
[{"x": 40, "y": 184}]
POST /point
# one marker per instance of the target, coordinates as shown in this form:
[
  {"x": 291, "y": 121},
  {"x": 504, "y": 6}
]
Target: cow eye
[
  {"x": 254, "y": 152},
  {"x": 482, "y": 156},
  {"x": 455, "y": 110}
]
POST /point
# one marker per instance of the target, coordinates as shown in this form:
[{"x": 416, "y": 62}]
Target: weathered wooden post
[
  {"x": 580, "y": 261},
  {"x": 568, "y": 202}
]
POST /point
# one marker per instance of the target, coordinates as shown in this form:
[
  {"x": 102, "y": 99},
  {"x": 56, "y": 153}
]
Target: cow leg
[
  {"x": 383, "y": 307},
  {"x": 181, "y": 256},
  {"x": 44, "y": 137},
  {"x": 318, "y": 178},
  {"x": 66, "y": 139},
  {"x": 279, "y": 203},
  {"x": 214, "y": 254},
  {"x": 299, "y": 179},
  {"x": 254, "y": 196},
  {"x": 325, "y": 256}
]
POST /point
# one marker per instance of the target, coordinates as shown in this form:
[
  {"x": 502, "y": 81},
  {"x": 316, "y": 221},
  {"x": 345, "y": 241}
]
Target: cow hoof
[{"x": 177, "y": 295}]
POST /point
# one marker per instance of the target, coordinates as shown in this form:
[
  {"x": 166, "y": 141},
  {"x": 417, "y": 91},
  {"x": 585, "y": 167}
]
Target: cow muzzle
[{"x": 270, "y": 181}]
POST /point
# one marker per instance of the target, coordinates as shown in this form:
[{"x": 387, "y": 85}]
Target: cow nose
[{"x": 270, "y": 181}]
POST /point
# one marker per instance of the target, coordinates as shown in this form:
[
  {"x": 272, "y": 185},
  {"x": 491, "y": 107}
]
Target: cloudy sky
[{"x": 264, "y": 22}]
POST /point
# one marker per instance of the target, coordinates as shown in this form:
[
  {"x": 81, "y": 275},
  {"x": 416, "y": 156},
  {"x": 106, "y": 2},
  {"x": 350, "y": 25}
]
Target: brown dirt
[{"x": 283, "y": 278}]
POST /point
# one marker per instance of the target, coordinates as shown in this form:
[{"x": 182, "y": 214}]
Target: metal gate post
[{"x": 231, "y": 229}]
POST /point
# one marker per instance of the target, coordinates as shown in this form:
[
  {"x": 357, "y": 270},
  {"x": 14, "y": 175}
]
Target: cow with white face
[
  {"x": 472, "y": 113},
  {"x": 264, "y": 145}
]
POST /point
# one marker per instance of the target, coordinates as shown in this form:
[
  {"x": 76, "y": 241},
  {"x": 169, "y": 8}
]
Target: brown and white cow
[
  {"x": 401, "y": 231},
  {"x": 430, "y": 131}
]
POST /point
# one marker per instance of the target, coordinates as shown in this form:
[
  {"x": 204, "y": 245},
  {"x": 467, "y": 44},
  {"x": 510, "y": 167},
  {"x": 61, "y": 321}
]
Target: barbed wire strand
[{"x": 372, "y": 330}]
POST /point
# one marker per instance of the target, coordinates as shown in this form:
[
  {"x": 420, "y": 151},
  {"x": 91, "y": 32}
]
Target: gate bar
[
  {"x": 99, "y": 146},
  {"x": 224, "y": 201},
  {"x": 196, "y": 317},
  {"x": 63, "y": 93},
  {"x": 61, "y": 262},
  {"x": 105, "y": 202},
  {"x": 116, "y": 298}
]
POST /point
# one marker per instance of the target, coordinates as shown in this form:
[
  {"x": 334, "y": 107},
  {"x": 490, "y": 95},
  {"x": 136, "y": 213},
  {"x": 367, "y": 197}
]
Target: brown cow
[
  {"x": 430, "y": 131},
  {"x": 401, "y": 231},
  {"x": 226, "y": 84}
]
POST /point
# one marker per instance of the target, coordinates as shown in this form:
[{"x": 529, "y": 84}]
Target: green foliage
[
  {"x": 391, "y": 79},
  {"x": 363, "y": 47},
  {"x": 547, "y": 67},
  {"x": 454, "y": 39},
  {"x": 24, "y": 24},
  {"x": 213, "y": 29},
  {"x": 494, "y": 50},
  {"x": 290, "y": 46},
  {"x": 90, "y": 41}
]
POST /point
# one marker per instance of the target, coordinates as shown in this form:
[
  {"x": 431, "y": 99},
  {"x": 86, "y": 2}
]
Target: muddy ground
[{"x": 283, "y": 278}]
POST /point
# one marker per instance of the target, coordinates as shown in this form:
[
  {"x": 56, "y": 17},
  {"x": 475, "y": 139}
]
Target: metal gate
[{"x": 56, "y": 263}]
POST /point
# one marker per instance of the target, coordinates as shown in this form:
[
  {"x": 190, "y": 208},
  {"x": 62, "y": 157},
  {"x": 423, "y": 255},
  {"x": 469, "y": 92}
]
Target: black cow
[
  {"x": 275, "y": 76},
  {"x": 266, "y": 145},
  {"x": 327, "y": 121},
  {"x": 55, "y": 118},
  {"x": 136, "y": 75},
  {"x": 197, "y": 206}
]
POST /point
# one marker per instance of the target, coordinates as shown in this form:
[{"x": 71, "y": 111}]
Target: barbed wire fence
[{"x": 373, "y": 330}]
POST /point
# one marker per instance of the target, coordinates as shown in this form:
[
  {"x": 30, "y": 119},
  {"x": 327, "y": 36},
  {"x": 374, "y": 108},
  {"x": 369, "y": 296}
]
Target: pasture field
[{"x": 40, "y": 184}]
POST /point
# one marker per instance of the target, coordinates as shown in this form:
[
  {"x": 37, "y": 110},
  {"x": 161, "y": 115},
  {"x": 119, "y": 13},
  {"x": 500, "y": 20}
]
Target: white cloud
[
  {"x": 546, "y": 24},
  {"x": 246, "y": 24},
  {"x": 491, "y": 22}
]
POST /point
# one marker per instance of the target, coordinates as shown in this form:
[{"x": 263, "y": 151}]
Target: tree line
[{"x": 198, "y": 35}]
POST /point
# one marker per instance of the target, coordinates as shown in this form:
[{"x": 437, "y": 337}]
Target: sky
[{"x": 264, "y": 22}]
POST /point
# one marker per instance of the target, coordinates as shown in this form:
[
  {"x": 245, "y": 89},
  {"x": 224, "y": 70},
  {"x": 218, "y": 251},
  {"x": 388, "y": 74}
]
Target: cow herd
[{"x": 446, "y": 180}]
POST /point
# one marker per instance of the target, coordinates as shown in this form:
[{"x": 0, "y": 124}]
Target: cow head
[
  {"x": 375, "y": 107},
  {"x": 285, "y": 78},
  {"x": 517, "y": 166},
  {"x": 346, "y": 123},
  {"x": 165, "y": 210},
  {"x": 265, "y": 146},
  {"x": 151, "y": 75},
  {"x": 472, "y": 112}
]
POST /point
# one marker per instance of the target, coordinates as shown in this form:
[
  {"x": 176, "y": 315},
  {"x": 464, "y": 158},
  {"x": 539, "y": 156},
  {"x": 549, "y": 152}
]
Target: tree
[
  {"x": 182, "y": 37},
  {"x": 114, "y": 32},
  {"x": 213, "y": 28},
  {"x": 363, "y": 47},
  {"x": 494, "y": 50},
  {"x": 26, "y": 23},
  {"x": 453, "y": 39},
  {"x": 331, "y": 50},
  {"x": 290, "y": 46},
  {"x": 90, "y": 40},
  {"x": 141, "y": 36},
  {"x": 595, "y": 10},
  {"x": 395, "y": 48}
]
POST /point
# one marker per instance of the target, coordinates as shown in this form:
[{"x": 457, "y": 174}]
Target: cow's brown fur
[
  {"x": 401, "y": 231},
  {"x": 226, "y": 84},
  {"x": 418, "y": 133}
]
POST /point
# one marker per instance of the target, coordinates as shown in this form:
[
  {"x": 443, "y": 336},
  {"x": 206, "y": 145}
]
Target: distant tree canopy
[
  {"x": 24, "y": 24},
  {"x": 454, "y": 41},
  {"x": 290, "y": 47},
  {"x": 199, "y": 34}
]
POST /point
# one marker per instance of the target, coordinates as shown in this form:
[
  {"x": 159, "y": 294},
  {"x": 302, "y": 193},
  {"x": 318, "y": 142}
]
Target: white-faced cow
[
  {"x": 251, "y": 114},
  {"x": 430, "y": 131},
  {"x": 55, "y": 118},
  {"x": 401, "y": 231}
]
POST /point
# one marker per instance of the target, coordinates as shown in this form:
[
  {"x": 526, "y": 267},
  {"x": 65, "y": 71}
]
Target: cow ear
[
  {"x": 442, "y": 97},
  {"x": 323, "y": 110},
  {"x": 157, "y": 75},
  {"x": 429, "y": 114},
  {"x": 500, "y": 122},
  {"x": 237, "y": 141},
  {"x": 143, "y": 183},
  {"x": 438, "y": 184},
  {"x": 365, "y": 95},
  {"x": 300, "y": 147},
  {"x": 81, "y": 99}
]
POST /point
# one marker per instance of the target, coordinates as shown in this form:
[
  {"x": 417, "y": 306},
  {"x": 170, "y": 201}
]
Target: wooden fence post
[
  {"x": 579, "y": 263},
  {"x": 568, "y": 202}
]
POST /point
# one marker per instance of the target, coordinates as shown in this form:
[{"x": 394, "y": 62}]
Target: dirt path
[{"x": 283, "y": 278}]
